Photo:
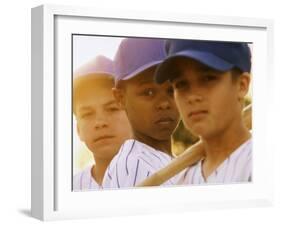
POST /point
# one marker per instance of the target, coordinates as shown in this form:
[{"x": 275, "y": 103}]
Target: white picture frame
[{"x": 52, "y": 197}]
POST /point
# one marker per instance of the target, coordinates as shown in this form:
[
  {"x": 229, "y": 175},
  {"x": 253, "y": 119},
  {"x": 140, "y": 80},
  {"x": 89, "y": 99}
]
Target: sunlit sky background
[{"x": 85, "y": 48}]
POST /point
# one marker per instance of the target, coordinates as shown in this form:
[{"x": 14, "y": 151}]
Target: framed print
[{"x": 78, "y": 126}]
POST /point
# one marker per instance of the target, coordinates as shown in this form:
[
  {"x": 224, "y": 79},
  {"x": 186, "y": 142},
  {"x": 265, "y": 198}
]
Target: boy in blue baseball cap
[
  {"x": 151, "y": 110},
  {"x": 210, "y": 80},
  {"x": 101, "y": 124}
]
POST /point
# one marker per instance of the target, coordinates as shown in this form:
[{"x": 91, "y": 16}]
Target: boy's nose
[
  {"x": 194, "y": 98},
  {"x": 100, "y": 123},
  {"x": 164, "y": 104}
]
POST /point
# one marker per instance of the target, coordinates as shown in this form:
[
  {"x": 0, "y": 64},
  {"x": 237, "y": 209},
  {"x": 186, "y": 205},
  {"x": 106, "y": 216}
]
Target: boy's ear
[
  {"x": 119, "y": 97},
  {"x": 243, "y": 85}
]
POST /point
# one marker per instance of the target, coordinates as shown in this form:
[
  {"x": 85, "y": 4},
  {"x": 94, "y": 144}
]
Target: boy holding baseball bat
[{"x": 210, "y": 80}]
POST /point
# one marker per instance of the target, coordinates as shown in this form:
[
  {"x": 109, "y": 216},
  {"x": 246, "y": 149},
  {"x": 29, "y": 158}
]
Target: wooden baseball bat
[{"x": 187, "y": 158}]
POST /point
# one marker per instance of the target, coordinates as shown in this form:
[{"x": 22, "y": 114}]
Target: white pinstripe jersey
[
  {"x": 236, "y": 168},
  {"x": 135, "y": 162},
  {"x": 83, "y": 181}
]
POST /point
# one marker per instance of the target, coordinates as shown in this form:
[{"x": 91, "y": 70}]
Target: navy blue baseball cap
[
  {"x": 221, "y": 56},
  {"x": 99, "y": 65},
  {"x": 135, "y": 55}
]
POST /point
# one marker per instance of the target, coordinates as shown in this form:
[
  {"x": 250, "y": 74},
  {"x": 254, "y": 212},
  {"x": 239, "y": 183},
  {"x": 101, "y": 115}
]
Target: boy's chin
[
  {"x": 162, "y": 136},
  {"x": 163, "y": 132},
  {"x": 203, "y": 133},
  {"x": 105, "y": 152}
]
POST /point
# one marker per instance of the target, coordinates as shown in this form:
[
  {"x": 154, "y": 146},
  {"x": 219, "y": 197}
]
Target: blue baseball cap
[
  {"x": 99, "y": 65},
  {"x": 221, "y": 56},
  {"x": 135, "y": 55}
]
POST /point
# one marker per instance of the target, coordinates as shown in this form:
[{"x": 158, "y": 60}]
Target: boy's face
[
  {"x": 150, "y": 107},
  {"x": 209, "y": 101},
  {"x": 101, "y": 124}
]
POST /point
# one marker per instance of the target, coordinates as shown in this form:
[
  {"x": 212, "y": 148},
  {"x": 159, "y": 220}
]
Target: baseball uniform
[
  {"x": 235, "y": 169},
  {"x": 135, "y": 162},
  {"x": 84, "y": 181}
]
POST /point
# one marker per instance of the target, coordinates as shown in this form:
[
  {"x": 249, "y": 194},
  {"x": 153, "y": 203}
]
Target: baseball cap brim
[
  {"x": 107, "y": 73},
  {"x": 141, "y": 69},
  {"x": 165, "y": 70}
]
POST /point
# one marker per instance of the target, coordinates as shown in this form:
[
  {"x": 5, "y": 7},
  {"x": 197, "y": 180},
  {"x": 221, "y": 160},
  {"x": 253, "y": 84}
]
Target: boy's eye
[
  {"x": 148, "y": 92},
  {"x": 86, "y": 114},
  {"x": 182, "y": 84},
  {"x": 210, "y": 77},
  {"x": 113, "y": 109}
]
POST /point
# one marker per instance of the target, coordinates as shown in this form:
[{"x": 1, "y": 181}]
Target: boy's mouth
[
  {"x": 164, "y": 121},
  {"x": 104, "y": 137},
  {"x": 197, "y": 113}
]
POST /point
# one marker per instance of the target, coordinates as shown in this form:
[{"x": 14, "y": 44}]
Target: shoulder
[
  {"x": 84, "y": 181},
  {"x": 83, "y": 173},
  {"x": 131, "y": 157},
  {"x": 80, "y": 178},
  {"x": 153, "y": 155},
  {"x": 128, "y": 148},
  {"x": 120, "y": 167},
  {"x": 188, "y": 175},
  {"x": 134, "y": 162},
  {"x": 133, "y": 151},
  {"x": 238, "y": 167},
  {"x": 243, "y": 152}
]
